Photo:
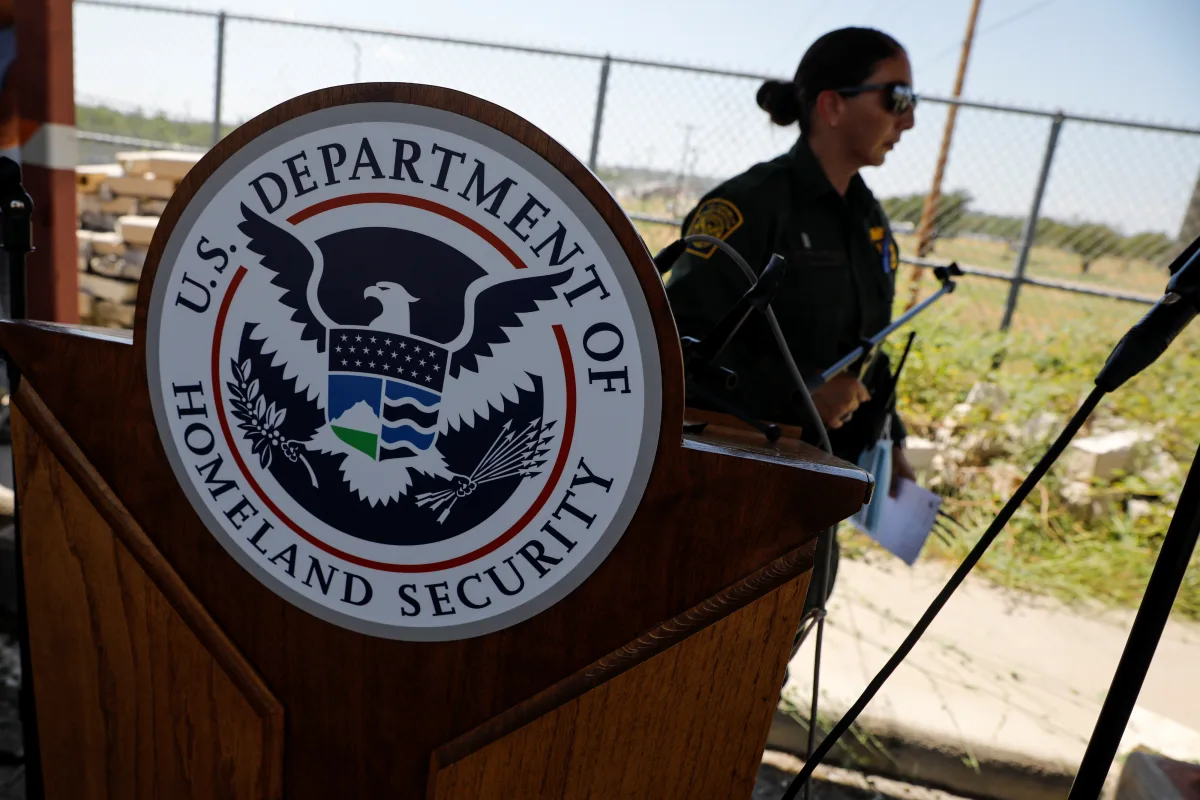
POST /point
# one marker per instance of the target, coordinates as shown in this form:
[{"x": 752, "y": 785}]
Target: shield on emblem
[{"x": 384, "y": 391}]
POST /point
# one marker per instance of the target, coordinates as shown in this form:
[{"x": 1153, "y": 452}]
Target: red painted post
[{"x": 45, "y": 100}]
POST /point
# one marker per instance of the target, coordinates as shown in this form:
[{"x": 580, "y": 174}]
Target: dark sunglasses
[{"x": 898, "y": 98}]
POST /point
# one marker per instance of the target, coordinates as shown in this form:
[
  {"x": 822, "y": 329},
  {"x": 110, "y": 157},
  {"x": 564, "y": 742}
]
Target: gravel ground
[{"x": 12, "y": 775}]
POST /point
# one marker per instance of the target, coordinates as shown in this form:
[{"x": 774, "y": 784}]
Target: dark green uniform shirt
[{"x": 839, "y": 287}]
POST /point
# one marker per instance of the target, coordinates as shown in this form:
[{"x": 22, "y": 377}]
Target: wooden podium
[{"x": 164, "y": 668}]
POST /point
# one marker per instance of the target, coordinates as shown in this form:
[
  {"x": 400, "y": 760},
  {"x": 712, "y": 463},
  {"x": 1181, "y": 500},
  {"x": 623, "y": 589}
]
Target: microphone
[
  {"x": 1153, "y": 333},
  {"x": 667, "y": 257}
]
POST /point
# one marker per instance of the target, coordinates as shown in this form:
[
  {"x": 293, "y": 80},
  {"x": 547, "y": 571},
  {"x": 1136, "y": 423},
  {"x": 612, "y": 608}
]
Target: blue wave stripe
[
  {"x": 405, "y": 433},
  {"x": 409, "y": 412},
  {"x": 411, "y": 401},
  {"x": 418, "y": 428},
  {"x": 398, "y": 391}
]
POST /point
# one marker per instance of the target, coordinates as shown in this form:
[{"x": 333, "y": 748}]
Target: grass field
[{"x": 1046, "y": 362}]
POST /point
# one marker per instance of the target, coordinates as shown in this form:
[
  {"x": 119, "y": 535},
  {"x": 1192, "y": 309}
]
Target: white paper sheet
[{"x": 905, "y": 521}]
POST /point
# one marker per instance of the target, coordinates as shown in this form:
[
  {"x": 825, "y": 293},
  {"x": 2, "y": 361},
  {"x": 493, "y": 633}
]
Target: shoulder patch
[
  {"x": 718, "y": 218},
  {"x": 877, "y": 237}
]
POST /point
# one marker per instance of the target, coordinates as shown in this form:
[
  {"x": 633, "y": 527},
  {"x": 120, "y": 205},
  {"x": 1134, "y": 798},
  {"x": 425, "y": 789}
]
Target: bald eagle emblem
[{"x": 383, "y": 385}]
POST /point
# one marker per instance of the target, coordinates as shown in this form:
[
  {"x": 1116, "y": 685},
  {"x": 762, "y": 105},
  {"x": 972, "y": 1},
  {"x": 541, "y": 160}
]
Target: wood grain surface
[
  {"x": 139, "y": 694},
  {"x": 364, "y": 714},
  {"x": 690, "y": 722}
]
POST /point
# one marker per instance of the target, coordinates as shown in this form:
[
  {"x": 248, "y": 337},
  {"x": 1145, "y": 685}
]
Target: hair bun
[{"x": 780, "y": 100}]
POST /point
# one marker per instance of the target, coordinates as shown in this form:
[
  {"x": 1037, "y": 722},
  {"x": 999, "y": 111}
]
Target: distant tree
[
  {"x": 1091, "y": 242},
  {"x": 948, "y": 221},
  {"x": 1149, "y": 245},
  {"x": 906, "y": 208},
  {"x": 1007, "y": 228},
  {"x": 157, "y": 127},
  {"x": 1052, "y": 233}
]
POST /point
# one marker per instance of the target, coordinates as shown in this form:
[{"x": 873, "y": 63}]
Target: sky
[{"x": 1110, "y": 58}]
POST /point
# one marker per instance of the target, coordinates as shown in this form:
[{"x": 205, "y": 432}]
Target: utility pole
[
  {"x": 683, "y": 165},
  {"x": 929, "y": 213}
]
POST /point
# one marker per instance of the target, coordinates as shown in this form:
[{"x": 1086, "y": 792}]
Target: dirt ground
[
  {"x": 12, "y": 775},
  {"x": 831, "y": 783}
]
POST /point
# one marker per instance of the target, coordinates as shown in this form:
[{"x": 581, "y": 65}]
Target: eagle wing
[
  {"x": 496, "y": 307},
  {"x": 477, "y": 384},
  {"x": 296, "y": 271},
  {"x": 294, "y": 327}
]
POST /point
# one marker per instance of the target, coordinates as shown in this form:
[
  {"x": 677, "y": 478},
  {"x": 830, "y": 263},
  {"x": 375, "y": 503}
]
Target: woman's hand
[
  {"x": 900, "y": 469},
  {"x": 837, "y": 400}
]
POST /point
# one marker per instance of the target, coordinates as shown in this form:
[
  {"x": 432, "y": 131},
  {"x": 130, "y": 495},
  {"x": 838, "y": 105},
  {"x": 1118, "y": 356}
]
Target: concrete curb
[{"x": 908, "y": 754}]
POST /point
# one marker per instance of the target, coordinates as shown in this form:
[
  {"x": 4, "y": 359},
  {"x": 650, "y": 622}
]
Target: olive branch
[{"x": 261, "y": 421}]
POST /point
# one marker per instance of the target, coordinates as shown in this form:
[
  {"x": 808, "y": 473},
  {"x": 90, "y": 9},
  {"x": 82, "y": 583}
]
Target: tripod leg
[{"x": 1148, "y": 625}]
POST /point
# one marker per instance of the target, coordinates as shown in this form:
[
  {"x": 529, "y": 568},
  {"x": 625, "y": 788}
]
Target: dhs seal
[{"x": 403, "y": 370}]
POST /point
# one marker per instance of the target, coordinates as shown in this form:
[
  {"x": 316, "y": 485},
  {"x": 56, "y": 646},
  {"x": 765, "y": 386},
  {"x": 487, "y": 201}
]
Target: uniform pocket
[{"x": 817, "y": 308}]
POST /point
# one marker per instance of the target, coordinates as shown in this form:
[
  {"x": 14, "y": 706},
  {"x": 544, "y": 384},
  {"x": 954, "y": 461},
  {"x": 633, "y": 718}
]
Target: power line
[{"x": 1013, "y": 18}]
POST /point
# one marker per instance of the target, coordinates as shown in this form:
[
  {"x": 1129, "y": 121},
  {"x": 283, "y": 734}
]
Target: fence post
[
  {"x": 601, "y": 98},
  {"x": 216, "y": 125},
  {"x": 1029, "y": 231}
]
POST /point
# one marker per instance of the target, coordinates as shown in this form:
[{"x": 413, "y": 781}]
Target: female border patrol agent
[{"x": 852, "y": 95}]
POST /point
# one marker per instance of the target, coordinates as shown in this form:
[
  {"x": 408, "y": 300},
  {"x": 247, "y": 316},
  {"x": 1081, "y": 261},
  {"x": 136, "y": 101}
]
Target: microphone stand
[
  {"x": 700, "y": 372},
  {"x": 824, "y": 555},
  {"x": 1148, "y": 625},
  {"x": 16, "y": 238},
  {"x": 1178, "y": 306},
  {"x": 1138, "y": 349}
]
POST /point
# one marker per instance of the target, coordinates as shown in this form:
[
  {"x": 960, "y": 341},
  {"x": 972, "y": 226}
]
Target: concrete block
[
  {"x": 111, "y": 289},
  {"x": 88, "y": 177},
  {"x": 1138, "y": 508},
  {"x": 151, "y": 208},
  {"x": 107, "y": 244},
  {"x": 135, "y": 255},
  {"x": 86, "y": 307},
  {"x": 988, "y": 395},
  {"x": 137, "y": 230},
  {"x": 1041, "y": 427},
  {"x": 113, "y": 315},
  {"x": 1100, "y": 457},
  {"x": 139, "y": 187},
  {"x": 1083, "y": 503},
  {"x": 83, "y": 251},
  {"x": 1160, "y": 468},
  {"x": 920, "y": 452},
  {"x": 172, "y": 165},
  {"x": 118, "y": 206}
]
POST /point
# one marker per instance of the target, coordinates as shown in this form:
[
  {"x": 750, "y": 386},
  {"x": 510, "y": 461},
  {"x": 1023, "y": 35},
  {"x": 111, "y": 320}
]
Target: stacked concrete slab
[{"x": 119, "y": 206}]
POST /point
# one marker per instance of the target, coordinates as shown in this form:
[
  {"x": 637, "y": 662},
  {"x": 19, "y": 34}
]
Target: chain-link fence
[{"x": 1028, "y": 197}]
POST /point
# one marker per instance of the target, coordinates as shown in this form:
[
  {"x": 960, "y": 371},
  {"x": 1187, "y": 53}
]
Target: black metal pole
[
  {"x": 16, "y": 239},
  {"x": 1148, "y": 625}
]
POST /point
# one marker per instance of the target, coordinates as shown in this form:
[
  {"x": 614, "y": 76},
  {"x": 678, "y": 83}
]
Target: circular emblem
[{"x": 403, "y": 370}]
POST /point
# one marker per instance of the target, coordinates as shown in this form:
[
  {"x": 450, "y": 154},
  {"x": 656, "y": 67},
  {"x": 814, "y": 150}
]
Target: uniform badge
[
  {"x": 877, "y": 236},
  {"x": 717, "y": 218},
  {"x": 886, "y": 247}
]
